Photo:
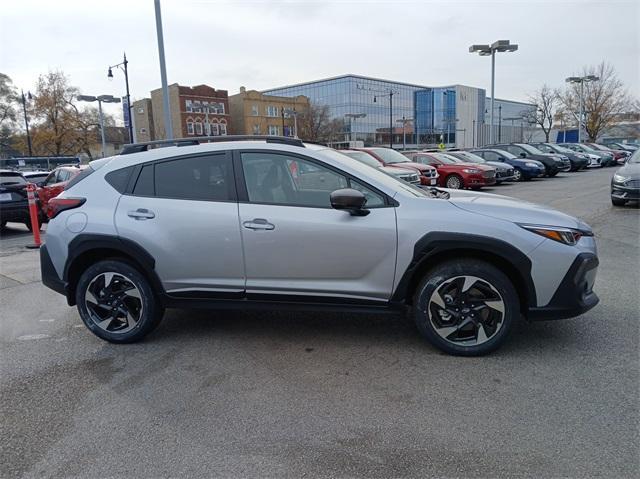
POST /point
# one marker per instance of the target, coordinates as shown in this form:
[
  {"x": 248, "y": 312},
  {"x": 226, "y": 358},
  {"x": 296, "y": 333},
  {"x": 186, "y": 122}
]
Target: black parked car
[
  {"x": 553, "y": 163},
  {"x": 579, "y": 161},
  {"x": 625, "y": 184},
  {"x": 524, "y": 169},
  {"x": 14, "y": 206}
]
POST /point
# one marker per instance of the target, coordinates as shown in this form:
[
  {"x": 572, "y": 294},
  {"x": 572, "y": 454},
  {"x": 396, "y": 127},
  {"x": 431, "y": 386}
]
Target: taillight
[{"x": 58, "y": 205}]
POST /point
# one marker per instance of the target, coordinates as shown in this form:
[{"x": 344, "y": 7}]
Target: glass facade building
[{"x": 453, "y": 115}]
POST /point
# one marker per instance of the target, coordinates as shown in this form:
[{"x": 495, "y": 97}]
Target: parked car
[
  {"x": 410, "y": 176},
  {"x": 454, "y": 174},
  {"x": 122, "y": 244},
  {"x": 631, "y": 148},
  {"x": 606, "y": 158},
  {"x": 553, "y": 163},
  {"x": 14, "y": 205},
  {"x": 524, "y": 169},
  {"x": 579, "y": 161},
  {"x": 625, "y": 184},
  {"x": 619, "y": 155},
  {"x": 504, "y": 171},
  {"x": 55, "y": 182},
  {"x": 35, "y": 176},
  {"x": 389, "y": 157}
]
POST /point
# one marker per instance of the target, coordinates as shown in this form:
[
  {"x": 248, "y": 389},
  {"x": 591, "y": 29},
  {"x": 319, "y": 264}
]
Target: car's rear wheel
[
  {"x": 28, "y": 223},
  {"x": 454, "y": 182},
  {"x": 551, "y": 175},
  {"x": 618, "y": 201},
  {"x": 517, "y": 174},
  {"x": 465, "y": 307},
  {"x": 116, "y": 302}
]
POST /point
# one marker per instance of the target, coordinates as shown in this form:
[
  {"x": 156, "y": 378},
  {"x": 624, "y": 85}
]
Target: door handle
[
  {"x": 259, "y": 224},
  {"x": 141, "y": 214}
]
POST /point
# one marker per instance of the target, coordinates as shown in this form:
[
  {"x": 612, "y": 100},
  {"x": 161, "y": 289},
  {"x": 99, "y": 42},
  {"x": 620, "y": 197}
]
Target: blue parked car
[{"x": 524, "y": 169}]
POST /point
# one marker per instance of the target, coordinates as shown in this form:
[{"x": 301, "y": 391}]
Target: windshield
[
  {"x": 390, "y": 156},
  {"x": 599, "y": 147},
  {"x": 470, "y": 157},
  {"x": 635, "y": 158},
  {"x": 545, "y": 148},
  {"x": 529, "y": 149},
  {"x": 505, "y": 154},
  {"x": 445, "y": 158},
  {"x": 7, "y": 179},
  {"x": 362, "y": 157}
]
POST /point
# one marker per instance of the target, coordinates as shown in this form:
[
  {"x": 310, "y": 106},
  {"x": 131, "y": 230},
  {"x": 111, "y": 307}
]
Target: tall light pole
[
  {"x": 168, "y": 128},
  {"x": 390, "y": 95},
  {"x": 123, "y": 65},
  {"x": 404, "y": 122},
  {"x": 26, "y": 119},
  {"x": 581, "y": 80},
  {"x": 100, "y": 99},
  {"x": 486, "y": 50},
  {"x": 352, "y": 117}
]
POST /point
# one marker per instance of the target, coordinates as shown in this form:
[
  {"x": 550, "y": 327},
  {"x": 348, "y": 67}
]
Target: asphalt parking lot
[{"x": 253, "y": 394}]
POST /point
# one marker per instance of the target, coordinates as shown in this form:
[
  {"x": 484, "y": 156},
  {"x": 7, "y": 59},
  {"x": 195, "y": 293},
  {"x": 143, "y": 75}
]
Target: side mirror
[
  {"x": 523, "y": 155},
  {"x": 349, "y": 200}
]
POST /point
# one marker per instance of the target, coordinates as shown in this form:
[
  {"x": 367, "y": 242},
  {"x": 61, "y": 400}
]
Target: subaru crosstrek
[{"x": 277, "y": 223}]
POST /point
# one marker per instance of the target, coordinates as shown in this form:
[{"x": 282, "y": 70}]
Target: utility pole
[
  {"x": 26, "y": 120},
  {"x": 163, "y": 73},
  {"x": 124, "y": 64}
]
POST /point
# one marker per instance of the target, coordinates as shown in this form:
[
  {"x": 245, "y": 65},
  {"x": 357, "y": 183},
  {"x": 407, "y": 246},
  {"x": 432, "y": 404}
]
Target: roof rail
[{"x": 139, "y": 147}]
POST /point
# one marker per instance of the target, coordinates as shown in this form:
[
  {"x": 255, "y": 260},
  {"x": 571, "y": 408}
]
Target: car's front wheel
[
  {"x": 517, "y": 174},
  {"x": 465, "y": 307},
  {"x": 454, "y": 182},
  {"x": 116, "y": 302}
]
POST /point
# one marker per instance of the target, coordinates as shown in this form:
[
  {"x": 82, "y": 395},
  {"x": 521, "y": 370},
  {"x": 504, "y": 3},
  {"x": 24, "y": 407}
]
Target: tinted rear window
[
  {"x": 197, "y": 178},
  {"x": 144, "y": 184},
  {"x": 12, "y": 179},
  {"x": 119, "y": 179}
]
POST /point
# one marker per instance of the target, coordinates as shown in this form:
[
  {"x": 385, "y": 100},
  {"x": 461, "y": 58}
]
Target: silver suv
[{"x": 277, "y": 223}]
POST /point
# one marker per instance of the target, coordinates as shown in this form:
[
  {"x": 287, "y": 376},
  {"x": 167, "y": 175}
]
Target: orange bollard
[{"x": 33, "y": 213}]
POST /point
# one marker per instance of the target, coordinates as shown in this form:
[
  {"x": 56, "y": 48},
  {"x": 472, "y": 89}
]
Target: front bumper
[
  {"x": 575, "y": 294},
  {"x": 624, "y": 192}
]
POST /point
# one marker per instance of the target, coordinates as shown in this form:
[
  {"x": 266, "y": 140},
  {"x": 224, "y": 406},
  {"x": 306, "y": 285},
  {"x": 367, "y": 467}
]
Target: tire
[
  {"x": 450, "y": 277},
  {"x": 517, "y": 174},
  {"x": 125, "y": 290},
  {"x": 454, "y": 182},
  {"x": 618, "y": 201},
  {"x": 551, "y": 175},
  {"x": 28, "y": 224}
]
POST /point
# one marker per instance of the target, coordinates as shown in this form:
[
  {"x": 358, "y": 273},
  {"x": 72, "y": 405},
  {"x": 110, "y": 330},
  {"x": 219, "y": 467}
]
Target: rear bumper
[
  {"x": 575, "y": 294},
  {"x": 50, "y": 277},
  {"x": 15, "y": 211}
]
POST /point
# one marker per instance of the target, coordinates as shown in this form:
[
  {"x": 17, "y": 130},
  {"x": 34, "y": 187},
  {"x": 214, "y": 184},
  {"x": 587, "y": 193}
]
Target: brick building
[
  {"x": 142, "y": 114},
  {"x": 254, "y": 113},
  {"x": 195, "y": 111}
]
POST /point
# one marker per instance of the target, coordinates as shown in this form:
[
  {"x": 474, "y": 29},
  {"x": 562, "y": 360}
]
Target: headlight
[
  {"x": 568, "y": 236},
  {"x": 620, "y": 179},
  {"x": 531, "y": 165},
  {"x": 471, "y": 170}
]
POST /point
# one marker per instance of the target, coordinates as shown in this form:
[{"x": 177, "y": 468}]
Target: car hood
[
  {"x": 511, "y": 209},
  {"x": 630, "y": 169},
  {"x": 411, "y": 165},
  {"x": 397, "y": 171}
]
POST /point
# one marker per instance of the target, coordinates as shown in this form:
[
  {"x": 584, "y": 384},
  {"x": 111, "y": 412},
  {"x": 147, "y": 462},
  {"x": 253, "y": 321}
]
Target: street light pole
[
  {"x": 163, "y": 73},
  {"x": 100, "y": 99},
  {"x": 124, "y": 64},
  {"x": 581, "y": 80},
  {"x": 499, "y": 123},
  {"x": 486, "y": 50},
  {"x": 390, "y": 95},
  {"x": 26, "y": 120}
]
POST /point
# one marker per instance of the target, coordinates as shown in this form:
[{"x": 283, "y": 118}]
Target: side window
[
  {"x": 63, "y": 175},
  {"x": 374, "y": 200},
  {"x": 51, "y": 179},
  {"x": 197, "y": 178},
  {"x": 491, "y": 156},
  {"x": 287, "y": 180},
  {"x": 144, "y": 183}
]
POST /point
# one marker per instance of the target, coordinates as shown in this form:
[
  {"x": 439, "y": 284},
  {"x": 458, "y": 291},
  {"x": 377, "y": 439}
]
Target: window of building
[
  {"x": 273, "y": 130},
  {"x": 223, "y": 128},
  {"x": 254, "y": 110},
  {"x": 189, "y": 105},
  {"x": 272, "y": 110},
  {"x": 143, "y": 130},
  {"x": 215, "y": 130},
  {"x": 217, "y": 108},
  {"x": 205, "y": 107},
  {"x": 197, "y": 106},
  {"x": 202, "y": 178},
  {"x": 190, "y": 127},
  {"x": 198, "y": 127},
  {"x": 256, "y": 129}
]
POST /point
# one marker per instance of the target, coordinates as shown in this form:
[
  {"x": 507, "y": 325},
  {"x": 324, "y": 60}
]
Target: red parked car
[
  {"x": 456, "y": 175},
  {"x": 53, "y": 185},
  {"x": 389, "y": 157}
]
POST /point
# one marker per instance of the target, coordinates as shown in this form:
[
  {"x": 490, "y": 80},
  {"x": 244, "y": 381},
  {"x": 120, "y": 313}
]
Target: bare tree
[
  {"x": 547, "y": 101},
  {"x": 316, "y": 124},
  {"x": 9, "y": 104},
  {"x": 603, "y": 100}
]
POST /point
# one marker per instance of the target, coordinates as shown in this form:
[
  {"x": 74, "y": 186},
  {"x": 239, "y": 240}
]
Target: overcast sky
[{"x": 264, "y": 44}]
